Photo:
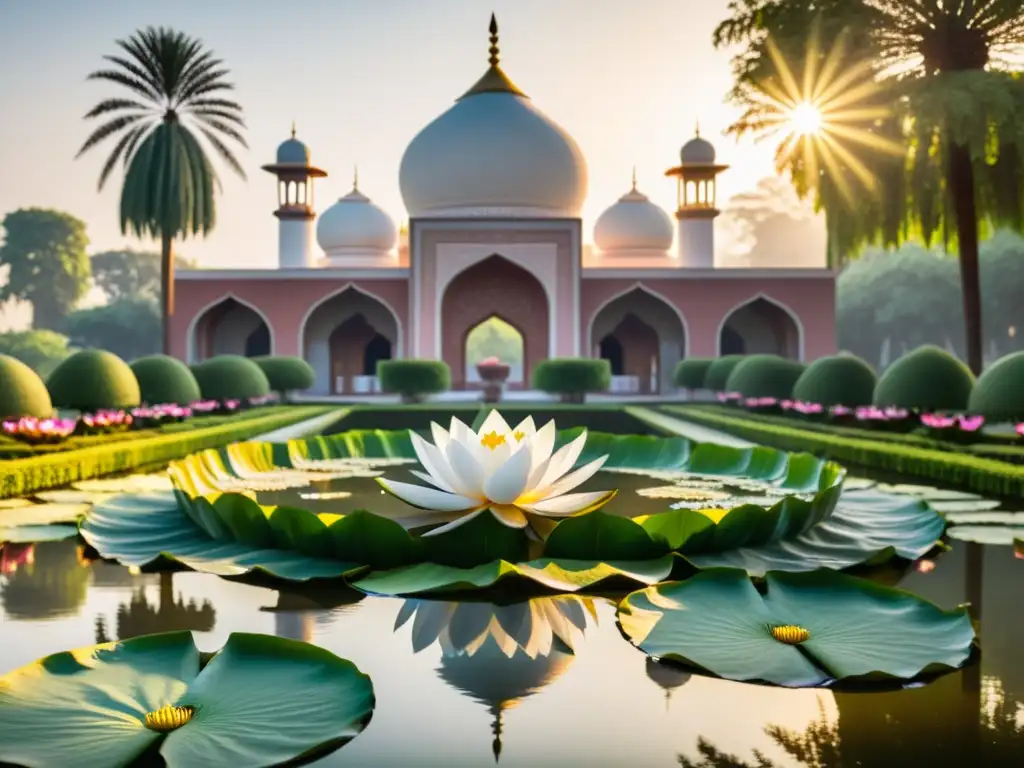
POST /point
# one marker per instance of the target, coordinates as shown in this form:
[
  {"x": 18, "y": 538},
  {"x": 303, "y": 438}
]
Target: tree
[
  {"x": 42, "y": 351},
  {"x": 44, "y": 251},
  {"x": 169, "y": 181},
  {"x": 129, "y": 328},
  {"x": 130, "y": 274},
  {"x": 959, "y": 111}
]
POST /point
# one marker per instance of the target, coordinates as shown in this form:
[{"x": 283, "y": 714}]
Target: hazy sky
[{"x": 361, "y": 78}]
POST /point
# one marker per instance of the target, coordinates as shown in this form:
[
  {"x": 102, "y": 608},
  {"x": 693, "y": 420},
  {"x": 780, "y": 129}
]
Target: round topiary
[
  {"x": 572, "y": 377},
  {"x": 692, "y": 372},
  {"x": 765, "y": 376},
  {"x": 22, "y": 392},
  {"x": 999, "y": 393},
  {"x": 927, "y": 379},
  {"x": 718, "y": 374},
  {"x": 286, "y": 374},
  {"x": 838, "y": 380},
  {"x": 93, "y": 380},
  {"x": 413, "y": 379},
  {"x": 165, "y": 380},
  {"x": 230, "y": 377}
]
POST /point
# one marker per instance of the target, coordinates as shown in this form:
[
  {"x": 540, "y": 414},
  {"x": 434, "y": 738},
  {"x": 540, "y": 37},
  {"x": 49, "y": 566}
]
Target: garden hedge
[
  {"x": 765, "y": 376},
  {"x": 927, "y": 379},
  {"x": 837, "y": 380},
  {"x": 965, "y": 471},
  {"x": 165, "y": 380},
  {"x": 93, "y": 380},
  {"x": 414, "y": 379},
  {"x": 998, "y": 394},
  {"x": 692, "y": 373},
  {"x": 21, "y": 477},
  {"x": 718, "y": 374},
  {"x": 572, "y": 377},
  {"x": 230, "y": 377},
  {"x": 22, "y": 392},
  {"x": 286, "y": 374}
]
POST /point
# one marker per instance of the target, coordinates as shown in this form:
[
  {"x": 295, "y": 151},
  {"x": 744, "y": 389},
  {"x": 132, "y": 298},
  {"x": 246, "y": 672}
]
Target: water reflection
[
  {"x": 48, "y": 581},
  {"x": 139, "y": 617},
  {"x": 667, "y": 677},
  {"x": 499, "y": 655},
  {"x": 297, "y": 615}
]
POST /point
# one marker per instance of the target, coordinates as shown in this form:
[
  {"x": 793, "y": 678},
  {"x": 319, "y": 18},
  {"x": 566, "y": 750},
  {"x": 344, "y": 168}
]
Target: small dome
[
  {"x": 293, "y": 151},
  {"x": 698, "y": 151},
  {"x": 355, "y": 226},
  {"x": 633, "y": 223}
]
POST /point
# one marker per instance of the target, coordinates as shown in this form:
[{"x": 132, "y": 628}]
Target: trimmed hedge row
[
  {"x": 21, "y": 477},
  {"x": 969, "y": 472},
  {"x": 413, "y": 379},
  {"x": 572, "y": 377},
  {"x": 22, "y": 392}
]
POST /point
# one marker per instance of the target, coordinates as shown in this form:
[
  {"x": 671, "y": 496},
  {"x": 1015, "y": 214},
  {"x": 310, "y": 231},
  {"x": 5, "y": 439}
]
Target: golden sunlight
[{"x": 823, "y": 116}]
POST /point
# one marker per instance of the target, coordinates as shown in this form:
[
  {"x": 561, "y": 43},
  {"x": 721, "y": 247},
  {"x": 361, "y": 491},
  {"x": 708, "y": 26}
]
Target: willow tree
[
  {"x": 944, "y": 71},
  {"x": 174, "y": 114}
]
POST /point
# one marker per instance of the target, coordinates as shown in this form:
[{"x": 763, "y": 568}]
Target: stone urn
[{"x": 493, "y": 373}]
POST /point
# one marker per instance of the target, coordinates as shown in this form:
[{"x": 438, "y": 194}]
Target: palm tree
[
  {"x": 169, "y": 181},
  {"x": 959, "y": 108}
]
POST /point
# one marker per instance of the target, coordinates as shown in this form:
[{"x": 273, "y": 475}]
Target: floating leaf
[
  {"x": 14, "y": 503},
  {"x": 986, "y": 518},
  {"x": 126, "y": 484},
  {"x": 72, "y": 496},
  {"x": 31, "y": 534},
  {"x": 807, "y": 630},
  {"x": 926, "y": 492},
  {"x": 260, "y": 701},
  {"x": 958, "y": 505},
  {"x": 997, "y": 535},
  {"x": 43, "y": 514},
  {"x": 682, "y": 492}
]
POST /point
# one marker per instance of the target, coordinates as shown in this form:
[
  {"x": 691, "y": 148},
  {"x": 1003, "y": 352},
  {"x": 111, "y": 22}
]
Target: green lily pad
[
  {"x": 31, "y": 534},
  {"x": 996, "y": 535},
  {"x": 957, "y": 505},
  {"x": 927, "y": 492},
  {"x": 126, "y": 484},
  {"x": 43, "y": 514},
  {"x": 719, "y": 622},
  {"x": 260, "y": 701},
  {"x": 986, "y": 518},
  {"x": 72, "y": 496},
  {"x": 140, "y": 529},
  {"x": 556, "y": 575}
]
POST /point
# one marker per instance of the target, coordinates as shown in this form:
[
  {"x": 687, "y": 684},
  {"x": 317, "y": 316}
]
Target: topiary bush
[
  {"x": 765, "y": 376},
  {"x": 286, "y": 374},
  {"x": 692, "y": 372},
  {"x": 927, "y": 379},
  {"x": 230, "y": 377},
  {"x": 572, "y": 377},
  {"x": 22, "y": 392},
  {"x": 414, "y": 379},
  {"x": 837, "y": 380},
  {"x": 718, "y": 374},
  {"x": 93, "y": 380},
  {"x": 998, "y": 394},
  {"x": 165, "y": 380}
]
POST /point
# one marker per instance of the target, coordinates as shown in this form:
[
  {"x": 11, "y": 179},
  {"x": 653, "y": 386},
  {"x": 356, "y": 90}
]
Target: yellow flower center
[
  {"x": 167, "y": 719},
  {"x": 790, "y": 634},
  {"x": 519, "y": 435},
  {"x": 492, "y": 440}
]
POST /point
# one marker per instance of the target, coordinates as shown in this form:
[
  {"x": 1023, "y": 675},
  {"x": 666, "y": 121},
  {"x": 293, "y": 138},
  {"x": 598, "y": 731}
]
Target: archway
[
  {"x": 494, "y": 337},
  {"x": 760, "y": 327},
  {"x": 494, "y": 287},
  {"x": 344, "y": 337},
  {"x": 230, "y": 328},
  {"x": 643, "y": 338}
]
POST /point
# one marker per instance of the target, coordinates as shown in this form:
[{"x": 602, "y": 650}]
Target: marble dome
[
  {"x": 698, "y": 151},
  {"x": 355, "y": 226},
  {"x": 633, "y": 223},
  {"x": 293, "y": 151},
  {"x": 493, "y": 154}
]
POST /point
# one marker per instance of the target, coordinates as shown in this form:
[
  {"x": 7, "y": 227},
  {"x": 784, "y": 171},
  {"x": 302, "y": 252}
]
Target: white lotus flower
[{"x": 511, "y": 473}]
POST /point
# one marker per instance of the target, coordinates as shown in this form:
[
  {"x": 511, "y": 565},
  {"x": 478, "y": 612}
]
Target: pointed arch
[
  {"x": 785, "y": 309},
  {"x": 638, "y": 285},
  {"x": 191, "y": 352},
  {"x": 518, "y": 367},
  {"x": 398, "y": 342}
]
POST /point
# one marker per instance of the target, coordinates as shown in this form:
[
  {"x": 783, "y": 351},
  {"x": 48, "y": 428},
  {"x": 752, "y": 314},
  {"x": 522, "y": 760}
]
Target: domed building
[{"x": 493, "y": 190}]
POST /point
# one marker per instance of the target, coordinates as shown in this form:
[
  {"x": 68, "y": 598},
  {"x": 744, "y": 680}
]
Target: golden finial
[
  {"x": 355, "y": 178},
  {"x": 634, "y": 178},
  {"x": 293, "y": 129},
  {"x": 493, "y": 60},
  {"x": 696, "y": 129}
]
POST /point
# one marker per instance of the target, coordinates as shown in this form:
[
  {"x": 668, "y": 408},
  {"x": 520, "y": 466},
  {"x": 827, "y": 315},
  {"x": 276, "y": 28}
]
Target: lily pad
[
  {"x": 556, "y": 575},
  {"x": 260, "y": 701},
  {"x": 927, "y": 492},
  {"x": 43, "y": 514},
  {"x": 126, "y": 484},
  {"x": 31, "y": 534},
  {"x": 996, "y": 535},
  {"x": 829, "y": 627},
  {"x": 986, "y": 518},
  {"x": 72, "y": 496},
  {"x": 14, "y": 503},
  {"x": 957, "y": 505}
]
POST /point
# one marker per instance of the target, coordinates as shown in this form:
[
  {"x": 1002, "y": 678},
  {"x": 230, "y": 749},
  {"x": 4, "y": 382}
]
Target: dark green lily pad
[
  {"x": 260, "y": 701},
  {"x": 32, "y": 534},
  {"x": 718, "y": 622},
  {"x": 996, "y": 535}
]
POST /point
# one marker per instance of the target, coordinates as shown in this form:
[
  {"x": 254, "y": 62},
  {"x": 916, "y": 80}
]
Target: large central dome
[{"x": 493, "y": 154}]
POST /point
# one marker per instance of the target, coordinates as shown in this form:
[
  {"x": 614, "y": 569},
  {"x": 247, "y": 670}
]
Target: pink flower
[
  {"x": 489, "y": 361},
  {"x": 1020, "y": 429},
  {"x": 840, "y": 410},
  {"x": 808, "y": 408},
  {"x": 937, "y": 420},
  {"x": 971, "y": 423}
]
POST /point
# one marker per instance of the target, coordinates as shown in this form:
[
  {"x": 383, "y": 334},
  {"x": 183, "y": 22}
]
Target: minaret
[
  {"x": 696, "y": 209},
  {"x": 294, "y": 212}
]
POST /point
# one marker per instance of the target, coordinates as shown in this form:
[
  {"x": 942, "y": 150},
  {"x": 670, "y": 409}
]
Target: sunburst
[{"x": 824, "y": 117}]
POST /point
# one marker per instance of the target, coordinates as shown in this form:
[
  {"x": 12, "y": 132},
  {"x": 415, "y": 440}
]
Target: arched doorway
[
  {"x": 494, "y": 337},
  {"x": 230, "y": 328},
  {"x": 642, "y": 337},
  {"x": 760, "y": 327},
  {"x": 494, "y": 287},
  {"x": 344, "y": 337}
]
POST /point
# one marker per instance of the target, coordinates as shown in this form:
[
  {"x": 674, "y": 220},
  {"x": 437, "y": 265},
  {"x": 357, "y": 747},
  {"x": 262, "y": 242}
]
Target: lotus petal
[
  {"x": 509, "y": 481},
  {"x": 427, "y": 498},
  {"x": 571, "y": 503}
]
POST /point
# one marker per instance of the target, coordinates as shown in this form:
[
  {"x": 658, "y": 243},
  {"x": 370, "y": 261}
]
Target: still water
[{"x": 444, "y": 698}]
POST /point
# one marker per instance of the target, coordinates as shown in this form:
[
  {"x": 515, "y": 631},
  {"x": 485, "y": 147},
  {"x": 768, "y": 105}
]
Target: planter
[{"x": 494, "y": 376}]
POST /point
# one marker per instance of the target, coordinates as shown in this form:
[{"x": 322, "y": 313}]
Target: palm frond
[
  {"x": 120, "y": 78},
  {"x": 115, "y": 105},
  {"x": 127, "y": 139},
  {"x": 140, "y": 73},
  {"x": 108, "y": 129},
  {"x": 223, "y": 150},
  {"x": 213, "y": 121},
  {"x": 210, "y": 82}
]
